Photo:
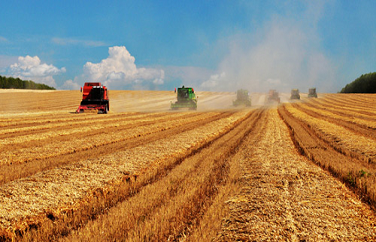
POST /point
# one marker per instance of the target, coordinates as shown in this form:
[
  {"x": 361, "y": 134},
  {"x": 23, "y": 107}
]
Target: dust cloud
[{"x": 284, "y": 53}]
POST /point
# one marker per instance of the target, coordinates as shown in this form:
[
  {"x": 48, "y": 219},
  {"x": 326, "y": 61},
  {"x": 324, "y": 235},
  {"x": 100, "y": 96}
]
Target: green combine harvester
[
  {"x": 186, "y": 99},
  {"x": 242, "y": 98},
  {"x": 295, "y": 94},
  {"x": 312, "y": 92}
]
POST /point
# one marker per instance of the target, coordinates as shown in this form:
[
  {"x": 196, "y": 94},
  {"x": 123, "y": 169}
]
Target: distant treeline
[
  {"x": 17, "y": 83},
  {"x": 366, "y": 83}
]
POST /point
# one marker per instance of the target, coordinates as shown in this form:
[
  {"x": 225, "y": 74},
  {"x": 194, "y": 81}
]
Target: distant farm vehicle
[
  {"x": 94, "y": 97},
  {"x": 186, "y": 99},
  {"x": 295, "y": 94},
  {"x": 242, "y": 98},
  {"x": 312, "y": 92},
  {"x": 273, "y": 96}
]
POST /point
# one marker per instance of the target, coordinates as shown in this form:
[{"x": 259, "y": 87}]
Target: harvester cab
[
  {"x": 186, "y": 98},
  {"x": 312, "y": 92},
  {"x": 94, "y": 97},
  {"x": 273, "y": 96},
  {"x": 242, "y": 98},
  {"x": 295, "y": 94}
]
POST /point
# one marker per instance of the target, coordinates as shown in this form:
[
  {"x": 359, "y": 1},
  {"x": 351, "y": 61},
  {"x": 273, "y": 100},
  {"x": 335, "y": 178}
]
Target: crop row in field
[
  {"x": 80, "y": 180},
  {"x": 221, "y": 175},
  {"x": 345, "y": 146}
]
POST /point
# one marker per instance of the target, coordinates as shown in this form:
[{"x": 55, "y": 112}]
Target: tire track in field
[
  {"x": 346, "y": 168},
  {"x": 85, "y": 133},
  {"x": 343, "y": 140},
  {"x": 39, "y": 120},
  {"x": 352, "y": 126},
  {"x": 355, "y": 107},
  {"x": 83, "y": 180},
  {"x": 15, "y": 171},
  {"x": 58, "y": 127},
  {"x": 179, "y": 199},
  {"x": 285, "y": 197},
  {"x": 341, "y": 110}
]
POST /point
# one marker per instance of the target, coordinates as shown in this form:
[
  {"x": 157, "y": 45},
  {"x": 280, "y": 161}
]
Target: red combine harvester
[{"x": 94, "y": 97}]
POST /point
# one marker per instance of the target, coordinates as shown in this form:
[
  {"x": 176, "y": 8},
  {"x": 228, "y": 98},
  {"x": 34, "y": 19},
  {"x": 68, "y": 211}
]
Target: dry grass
[
  {"x": 168, "y": 208},
  {"x": 181, "y": 176},
  {"x": 148, "y": 154},
  {"x": 346, "y": 154}
]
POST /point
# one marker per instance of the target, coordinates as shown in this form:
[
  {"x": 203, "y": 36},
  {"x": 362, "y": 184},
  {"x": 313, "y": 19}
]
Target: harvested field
[{"x": 293, "y": 172}]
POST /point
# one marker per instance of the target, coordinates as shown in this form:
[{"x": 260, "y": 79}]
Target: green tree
[
  {"x": 17, "y": 83},
  {"x": 366, "y": 83}
]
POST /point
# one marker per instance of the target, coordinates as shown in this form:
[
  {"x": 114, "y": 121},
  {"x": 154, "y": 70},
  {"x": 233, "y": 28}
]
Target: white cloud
[
  {"x": 70, "y": 85},
  {"x": 213, "y": 81},
  {"x": 119, "y": 69},
  {"x": 72, "y": 41},
  {"x": 31, "y": 68},
  {"x": 3, "y": 39},
  {"x": 283, "y": 54}
]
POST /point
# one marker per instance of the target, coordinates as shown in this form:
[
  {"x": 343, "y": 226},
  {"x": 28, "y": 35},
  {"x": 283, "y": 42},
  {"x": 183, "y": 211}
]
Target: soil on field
[{"x": 218, "y": 173}]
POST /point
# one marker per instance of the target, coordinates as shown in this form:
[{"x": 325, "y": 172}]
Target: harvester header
[{"x": 94, "y": 97}]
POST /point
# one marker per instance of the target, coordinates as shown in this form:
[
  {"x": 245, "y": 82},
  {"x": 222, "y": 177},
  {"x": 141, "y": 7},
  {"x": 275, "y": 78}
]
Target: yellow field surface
[{"x": 299, "y": 171}]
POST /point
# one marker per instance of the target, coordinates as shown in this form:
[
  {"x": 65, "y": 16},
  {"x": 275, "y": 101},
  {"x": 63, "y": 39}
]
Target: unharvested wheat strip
[
  {"x": 66, "y": 186},
  {"x": 63, "y": 124},
  {"x": 349, "y": 98},
  {"x": 336, "y": 101},
  {"x": 323, "y": 113},
  {"x": 355, "y": 99},
  {"x": 75, "y": 130},
  {"x": 332, "y": 103},
  {"x": 27, "y": 101},
  {"x": 355, "y": 109},
  {"x": 340, "y": 136},
  {"x": 76, "y": 143},
  {"x": 285, "y": 197},
  {"x": 43, "y": 119},
  {"x": 359, "y": 115}
]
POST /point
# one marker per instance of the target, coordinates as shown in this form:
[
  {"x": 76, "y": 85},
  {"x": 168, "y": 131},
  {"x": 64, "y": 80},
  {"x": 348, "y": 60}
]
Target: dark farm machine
[
  {"x": 273, "y": 96},
  {"x": 295, "y": 94},
  {"x": 186, "y": 99},
  {"x": 94, "y": 97},
  {"x": 312, "y": 92},
  {"x": 242, "y": 98}
]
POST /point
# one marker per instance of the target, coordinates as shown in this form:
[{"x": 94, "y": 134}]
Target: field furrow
[
  {"x": 284, "y": 197},
  {"x": 342, "y": 139},
  {"x": 359, "y": 113},
  {"x": 167, "y": 209},
  {"x": 363, "y": 107},
  {"x": 302, "y": 170},
  {"x": 35, "y": 159},
  {"x": 362, "y": 127},
  {"x": 88, "y": 175},
  {"x": 357, "y": 174}
]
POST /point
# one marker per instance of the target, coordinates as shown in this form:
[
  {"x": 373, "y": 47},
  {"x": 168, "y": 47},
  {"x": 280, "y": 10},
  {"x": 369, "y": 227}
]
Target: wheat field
[{"x": 295, "y": 171}]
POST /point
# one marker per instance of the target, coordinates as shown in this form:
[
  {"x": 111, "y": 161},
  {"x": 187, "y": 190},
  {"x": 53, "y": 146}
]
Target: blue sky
[{"x": 211, "y": 45}]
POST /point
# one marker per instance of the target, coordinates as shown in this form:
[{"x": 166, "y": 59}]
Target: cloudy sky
[{"x": 215, "y": 45}]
